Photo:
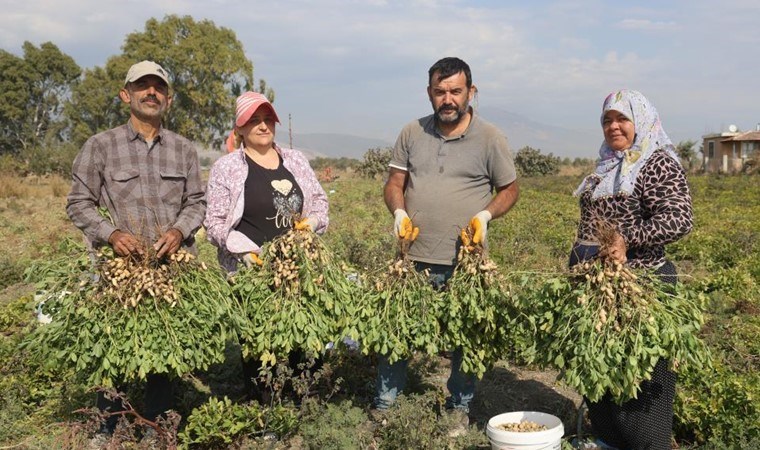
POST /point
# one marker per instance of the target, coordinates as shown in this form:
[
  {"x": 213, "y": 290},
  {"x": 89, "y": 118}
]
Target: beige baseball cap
[{"x": 144, "y": 68}]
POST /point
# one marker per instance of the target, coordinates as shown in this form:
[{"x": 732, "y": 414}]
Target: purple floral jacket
[{"x": 225, "y": 202}]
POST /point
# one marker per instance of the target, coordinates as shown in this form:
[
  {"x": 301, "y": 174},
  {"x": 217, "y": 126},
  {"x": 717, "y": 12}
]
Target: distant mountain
[
  {"x": 562, "y": 142},
  {"x": 520, "y": 130},
  {"x": 334, "y": 145}
]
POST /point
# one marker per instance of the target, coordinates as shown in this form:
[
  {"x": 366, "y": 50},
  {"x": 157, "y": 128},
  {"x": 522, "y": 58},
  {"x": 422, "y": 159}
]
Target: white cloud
[
  {"x": 363, "y": 65},
  {"x": 646, "y": 25}
]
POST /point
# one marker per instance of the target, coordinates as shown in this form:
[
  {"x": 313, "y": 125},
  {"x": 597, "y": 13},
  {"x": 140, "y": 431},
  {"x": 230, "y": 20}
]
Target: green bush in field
[
  {"x": 221, "y": 423},
  {"x": 420, "y": 421},
  {"x": 339, "y": 426},
  {"x": 718, "y": 407},
  {"x": 53, "y": 158},
  {"x": 530, "y": 162},
  {"x": 375, "y": 162},
  {"x": 11, "y": 271}
]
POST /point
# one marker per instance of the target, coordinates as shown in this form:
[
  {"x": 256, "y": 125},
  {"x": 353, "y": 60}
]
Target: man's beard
[{"x": 449, "y": 117}]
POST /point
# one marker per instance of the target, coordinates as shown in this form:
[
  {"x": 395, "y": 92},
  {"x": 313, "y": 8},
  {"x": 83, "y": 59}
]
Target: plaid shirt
[{"x": 146, "y": 189}]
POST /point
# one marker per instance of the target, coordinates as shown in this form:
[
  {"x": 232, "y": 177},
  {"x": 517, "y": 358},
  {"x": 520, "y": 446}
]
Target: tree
[
  {"x": 33, "y": 90},
  {"x": 686, "y": 153},
  {"x": 95, "y": 105},
  {"x": 530, "y": 162},
  {"x": 207, "y": 69},
  {"x": 375, "y": 162}
]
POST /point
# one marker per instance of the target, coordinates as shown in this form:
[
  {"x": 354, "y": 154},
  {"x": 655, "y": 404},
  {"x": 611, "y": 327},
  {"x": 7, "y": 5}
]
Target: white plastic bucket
[{"x": 549, "y": 439}]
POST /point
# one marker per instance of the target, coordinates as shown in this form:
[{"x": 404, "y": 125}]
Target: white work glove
[
  {"x": 401, "y": 222},
  {"x": 479, "y": 225},
  {"x": 252, "y": 260}
]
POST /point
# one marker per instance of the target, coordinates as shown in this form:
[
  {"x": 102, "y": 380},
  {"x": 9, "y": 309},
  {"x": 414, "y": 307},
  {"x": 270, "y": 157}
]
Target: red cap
[{"x": 247, "y": 104}]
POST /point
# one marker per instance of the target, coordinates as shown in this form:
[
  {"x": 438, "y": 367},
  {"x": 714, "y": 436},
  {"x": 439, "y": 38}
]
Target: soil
[{"x": 507, "y": 388}]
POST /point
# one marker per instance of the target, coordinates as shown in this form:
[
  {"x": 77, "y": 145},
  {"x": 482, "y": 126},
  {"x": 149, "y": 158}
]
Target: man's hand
[
  {"x": 168, "y": 243},
  {"x": 616, "y": 250},
  {"x": 479, "y": 225},
  {"x": 307, "y": 223},
  {"x": 124, "y": 244},
  {"x": 252, "y": 260},
  {"x": 402, "y": 225}
]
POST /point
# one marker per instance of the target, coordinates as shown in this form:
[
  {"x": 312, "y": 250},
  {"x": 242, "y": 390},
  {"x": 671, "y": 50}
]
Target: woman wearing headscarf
[
  {"x": 638, "y": 187},
  {"x": 257, "y": 192}
]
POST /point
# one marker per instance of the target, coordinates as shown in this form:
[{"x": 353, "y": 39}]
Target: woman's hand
[
  {"x": 615, "y": 251},
  {"x": 307, "y": 223},
  {"x": 252, "y": 260}
]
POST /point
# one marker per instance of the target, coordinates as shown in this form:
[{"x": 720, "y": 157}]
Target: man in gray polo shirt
[
  {"x": 148, "y": 179},
  {"x": 442, "y": 175}
]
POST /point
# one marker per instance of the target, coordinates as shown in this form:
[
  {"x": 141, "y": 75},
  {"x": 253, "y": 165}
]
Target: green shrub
[
  {"x": 530, "y": 162},
  {"x": 335, "y": 426},
  {"x": 53, "y": 158},
  {"x": 11, "y": 271},
  {"x": 221, "y": 423},
  {"x": 718, "y": 406},
  {"x": 15, "y": 314},
  {"x": 375, "y": 162},
  {"x": 419, "y": 421},
  {"x": 10, "y": 164}
]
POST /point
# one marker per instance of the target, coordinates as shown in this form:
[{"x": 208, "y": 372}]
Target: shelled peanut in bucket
[{"x": 525, "y": 426}]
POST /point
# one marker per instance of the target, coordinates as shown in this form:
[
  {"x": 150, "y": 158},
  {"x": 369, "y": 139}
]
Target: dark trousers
[
  {"x": 645, "y": 422},
  {"x": 158, "y": 399}
]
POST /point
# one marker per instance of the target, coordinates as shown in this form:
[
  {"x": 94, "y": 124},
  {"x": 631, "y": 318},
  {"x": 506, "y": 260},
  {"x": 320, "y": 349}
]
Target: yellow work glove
[
  {"x": 252, "y": 260},
  {"x": 307, "y": 223},
  {"x": 479, "y": 225},
  {"x": 402, "y": 226}
]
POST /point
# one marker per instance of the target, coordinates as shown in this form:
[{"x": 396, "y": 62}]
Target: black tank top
[{"x": 273, "y": 200}]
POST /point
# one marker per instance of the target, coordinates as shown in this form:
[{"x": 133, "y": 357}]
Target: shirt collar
[{"x": 133, "y": 134}]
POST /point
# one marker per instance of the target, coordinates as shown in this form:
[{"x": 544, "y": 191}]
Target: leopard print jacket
[{"x": 657, "y": 212}]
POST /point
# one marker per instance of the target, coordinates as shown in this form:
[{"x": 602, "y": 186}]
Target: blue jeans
[{"x": 391, "y": 378}]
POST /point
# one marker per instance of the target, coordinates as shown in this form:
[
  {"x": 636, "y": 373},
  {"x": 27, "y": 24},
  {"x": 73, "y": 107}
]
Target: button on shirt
[{"x": 147, "y": 188}]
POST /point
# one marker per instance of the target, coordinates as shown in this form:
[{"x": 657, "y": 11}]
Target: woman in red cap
[{"x": 259, "y": 191}]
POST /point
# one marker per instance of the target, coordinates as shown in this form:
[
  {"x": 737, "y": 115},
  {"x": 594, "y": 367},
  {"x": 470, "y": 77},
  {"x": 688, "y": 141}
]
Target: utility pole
[{"x": 290, "y": 131}]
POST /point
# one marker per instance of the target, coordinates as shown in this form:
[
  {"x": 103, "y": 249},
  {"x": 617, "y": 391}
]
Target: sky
[{"x": 360, "y": 67}]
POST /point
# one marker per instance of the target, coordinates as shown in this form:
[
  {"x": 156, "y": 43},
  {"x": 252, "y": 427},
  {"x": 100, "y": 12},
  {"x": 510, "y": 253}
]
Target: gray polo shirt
[{"x": 450, "y": 180}]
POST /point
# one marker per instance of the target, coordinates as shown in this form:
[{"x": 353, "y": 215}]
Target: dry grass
[
  {"x": 32, "y": 186},
  {"x": 59, "y": 187},
  {"x": 33, "y": 218},
  {"x": 12, "y": 187}
]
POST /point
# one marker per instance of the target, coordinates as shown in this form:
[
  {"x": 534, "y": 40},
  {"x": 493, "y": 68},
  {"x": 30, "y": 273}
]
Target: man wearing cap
[
  {"x": 148, "y": 180},
  {"x": 443, "y": 173}
]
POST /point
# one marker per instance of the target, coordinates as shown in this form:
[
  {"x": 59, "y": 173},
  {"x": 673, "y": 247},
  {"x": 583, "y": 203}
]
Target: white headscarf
[{"x": 618, "y": 169}]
